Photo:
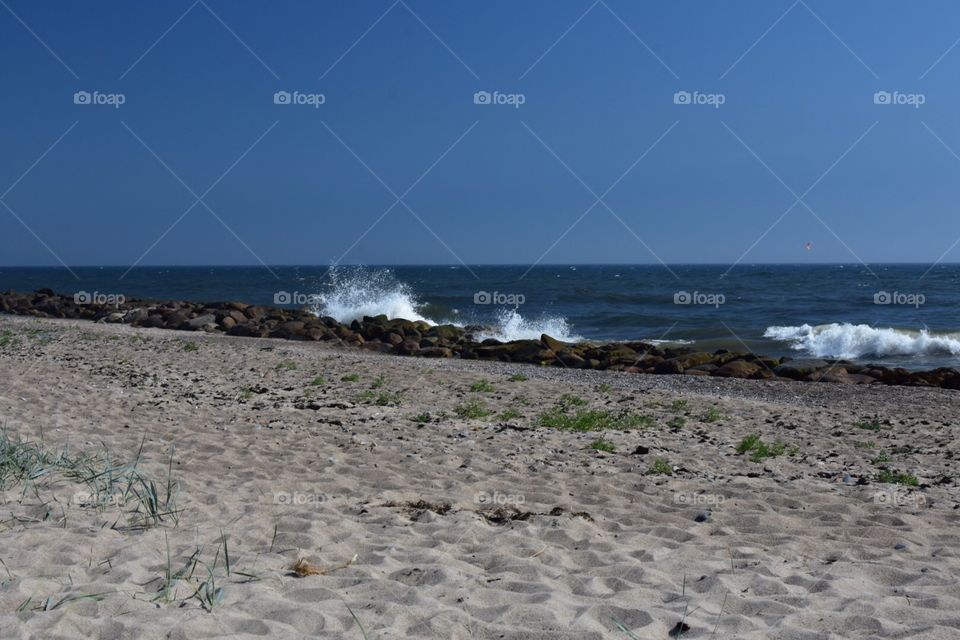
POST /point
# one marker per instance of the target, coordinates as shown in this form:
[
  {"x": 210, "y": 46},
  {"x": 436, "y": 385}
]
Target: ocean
[{"x": 896, "y": 315}]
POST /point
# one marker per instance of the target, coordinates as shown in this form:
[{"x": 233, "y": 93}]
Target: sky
[{"x": 182, "y": 132}]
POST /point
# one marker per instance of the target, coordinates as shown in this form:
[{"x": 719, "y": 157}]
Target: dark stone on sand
[{"x": 738, "y": 369}]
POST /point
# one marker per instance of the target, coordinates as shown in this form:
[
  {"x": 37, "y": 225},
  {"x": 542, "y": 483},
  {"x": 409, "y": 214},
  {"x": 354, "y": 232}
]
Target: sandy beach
[{"x": 460, "y": 499}]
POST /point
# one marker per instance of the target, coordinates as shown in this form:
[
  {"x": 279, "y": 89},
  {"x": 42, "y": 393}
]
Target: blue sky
[{"x": 488, "y": 183}]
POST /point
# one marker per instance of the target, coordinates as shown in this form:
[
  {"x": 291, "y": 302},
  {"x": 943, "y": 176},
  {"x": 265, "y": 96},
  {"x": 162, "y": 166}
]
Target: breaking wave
[
  {"x": 355, "y": 293},
  {"x": 852, "y": 341}
]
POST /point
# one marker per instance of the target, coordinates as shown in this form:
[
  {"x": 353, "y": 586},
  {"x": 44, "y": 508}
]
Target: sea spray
[
  {"x": 852, "y": 341},
  {"x": 510, "y": 325},
  {"x": 357, "y": 292}
]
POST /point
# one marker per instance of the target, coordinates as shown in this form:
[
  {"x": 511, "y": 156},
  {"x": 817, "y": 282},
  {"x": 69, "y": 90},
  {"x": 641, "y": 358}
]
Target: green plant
[
  {"x": 569, "y": 400},
  {"x": 421, "y": 418},
  {"x": 286, "y": 365},
  {"x": 472, "y": 410},
  {"x": 245, "y": 393},
  {"x": 679, "y": 406},
  {"x": 378, "y": 382},
  {"x": 317, "y": 382},
  {"x": 7, "y": 338},
  {"x": 603, "y": 388},
  {"x": 190, "y": 347},
  {"x": 676, "y": 422},
  {"x": 351, "y": 377},
  {"x": 894, "y": 477},
  {"x": 483, "y": 386},
  {"x": 510, "y": 414},
  {"x": 518, "y": 377},
  {"x": 881, "y": 458},
  {"x": 602, "y": 445},
  {"x": 758, "y": 449},
  {"x": 660, "y": 467},
  {"x": 593, "y": 420},
  {"x": 711, "y": 415},
  {"x": 872, "y": 424},
  {"x": 865, "y": 445}
]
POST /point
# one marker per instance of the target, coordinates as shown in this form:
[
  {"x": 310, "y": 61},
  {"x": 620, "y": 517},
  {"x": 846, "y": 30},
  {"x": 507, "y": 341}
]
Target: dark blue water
[{"x": 820, "y": 310}]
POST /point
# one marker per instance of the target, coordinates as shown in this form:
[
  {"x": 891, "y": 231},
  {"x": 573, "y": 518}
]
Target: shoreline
[{"x": 421, "y": 339}]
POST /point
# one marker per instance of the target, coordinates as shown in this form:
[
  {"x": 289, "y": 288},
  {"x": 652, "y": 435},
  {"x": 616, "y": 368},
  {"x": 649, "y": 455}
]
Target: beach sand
[{"x": 428, "y": 523}]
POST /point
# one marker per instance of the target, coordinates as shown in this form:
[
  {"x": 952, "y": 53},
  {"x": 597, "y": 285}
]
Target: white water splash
[
  {"x": 359, "y": 292},
  {"x": 852, "y": 341},
  {"x": 512, "y": 326}
]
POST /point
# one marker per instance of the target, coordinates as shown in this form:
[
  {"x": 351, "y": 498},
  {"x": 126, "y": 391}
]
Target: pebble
[{"x": 702, "y": 516}]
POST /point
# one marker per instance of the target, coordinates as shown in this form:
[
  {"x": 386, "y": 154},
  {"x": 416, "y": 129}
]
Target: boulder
[
  {"x": 738, "y": 369},
  {"x": 435, "y": 352},
  {"x": 552, "y": 343},
  {"x": 197, "y": 323}
]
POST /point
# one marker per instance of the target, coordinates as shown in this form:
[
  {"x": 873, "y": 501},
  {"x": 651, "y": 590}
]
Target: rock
[
  {"x": 552, "y": 343},
  {"x": 435, "y": 352},
  {"x": 198, "y": 322},
  {"x": 668, "y": 367},
  {"x": 702, "y": 516},
  {"x": 135, "y": 316},
  {"x": 394, "y": 338},
  {"x": 641, "y": 450},
  {"x": 570, "y": 359},
  {"x": 799, "y": 369},
  {"x": 227, "y": 323},
  {"x": 737, "y": 369}
]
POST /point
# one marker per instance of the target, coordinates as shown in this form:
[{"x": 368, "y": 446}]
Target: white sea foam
[
  {"x": 853, "y": 341},
  {"x": 510, "y": 325},
  {"x": 359, "y": 292}
]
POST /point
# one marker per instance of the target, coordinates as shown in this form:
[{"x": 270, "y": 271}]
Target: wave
[
  {"x": 357, "y": 292},
  {"x": 510, "y": 325},
  {"x": 853, "y": 341}
]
